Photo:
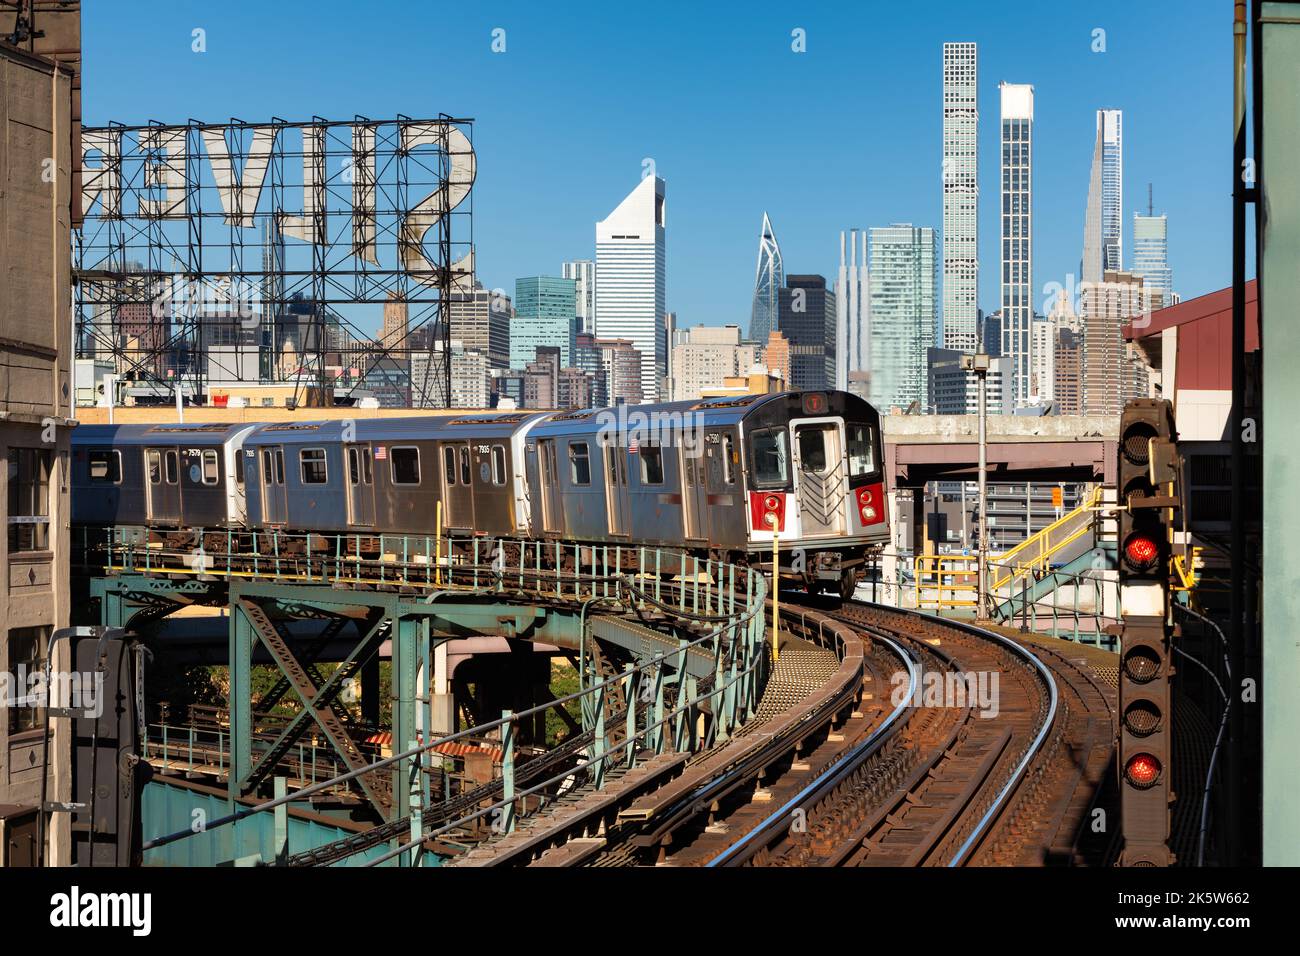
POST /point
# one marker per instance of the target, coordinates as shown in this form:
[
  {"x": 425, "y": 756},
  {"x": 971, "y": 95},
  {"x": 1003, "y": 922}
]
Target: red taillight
[
  {"x": 870, "y": 507},
  {"x": 1142, "y": 771},
  {"x": 767, "y": 509},
  {"x": 1141, "y": 553}
]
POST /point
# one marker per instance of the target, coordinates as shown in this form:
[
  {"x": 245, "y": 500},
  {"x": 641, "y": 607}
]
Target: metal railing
[
  {"x": 1035, "y": 553},
  {"x": 663, "y": 699}
]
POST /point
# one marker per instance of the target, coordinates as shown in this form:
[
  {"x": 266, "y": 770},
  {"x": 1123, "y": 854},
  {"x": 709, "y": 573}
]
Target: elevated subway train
[{"x": 719, "y": 476}]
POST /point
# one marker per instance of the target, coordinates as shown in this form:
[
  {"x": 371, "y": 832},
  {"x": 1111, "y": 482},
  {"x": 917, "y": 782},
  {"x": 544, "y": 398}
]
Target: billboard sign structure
[{"x": 327, "y": 252}]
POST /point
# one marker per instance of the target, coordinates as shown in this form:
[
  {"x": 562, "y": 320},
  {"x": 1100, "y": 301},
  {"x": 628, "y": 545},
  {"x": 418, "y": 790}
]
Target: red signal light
[
  {"x": 1142, "y": 771},
  {"x": 1141, "y": 553}
]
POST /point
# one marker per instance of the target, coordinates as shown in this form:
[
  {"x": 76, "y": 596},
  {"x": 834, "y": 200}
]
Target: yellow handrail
[{"x": 1042, "y": 542}]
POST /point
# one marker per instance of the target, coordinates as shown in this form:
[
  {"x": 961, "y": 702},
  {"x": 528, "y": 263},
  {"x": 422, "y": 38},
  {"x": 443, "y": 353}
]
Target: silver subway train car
[{"x": 721, "y": 477}]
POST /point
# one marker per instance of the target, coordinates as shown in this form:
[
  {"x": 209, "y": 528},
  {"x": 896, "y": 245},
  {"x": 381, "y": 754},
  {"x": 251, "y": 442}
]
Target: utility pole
[{"x": 979, "y": 364}]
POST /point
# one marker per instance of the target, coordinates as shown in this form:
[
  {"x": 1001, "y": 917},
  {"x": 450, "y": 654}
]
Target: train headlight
[{"x": 868, "y": 513}]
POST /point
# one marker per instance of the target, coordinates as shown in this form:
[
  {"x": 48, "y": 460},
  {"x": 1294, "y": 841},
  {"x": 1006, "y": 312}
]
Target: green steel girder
[{"x": 132, "y": 601}]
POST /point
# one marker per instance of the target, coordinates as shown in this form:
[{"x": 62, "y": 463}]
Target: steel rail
[{"x": 830, "y": 776}]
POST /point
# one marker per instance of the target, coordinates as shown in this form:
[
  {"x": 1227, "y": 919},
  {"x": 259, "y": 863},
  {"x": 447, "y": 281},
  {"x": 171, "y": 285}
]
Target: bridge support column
[
  {"x": 406, "y": 640},
  {"x": 889, "y": 591},
  {"x": 240, "y": 699}
]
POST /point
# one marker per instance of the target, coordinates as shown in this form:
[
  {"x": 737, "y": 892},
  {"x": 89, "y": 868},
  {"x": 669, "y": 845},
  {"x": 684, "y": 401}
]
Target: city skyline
[{"x": 518, "y": 227}]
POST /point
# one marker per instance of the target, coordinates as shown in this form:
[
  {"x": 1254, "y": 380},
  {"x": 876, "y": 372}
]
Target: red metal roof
[
  {"x": 1213, "y": 306},
  {"x": 1204, "y": 327}
]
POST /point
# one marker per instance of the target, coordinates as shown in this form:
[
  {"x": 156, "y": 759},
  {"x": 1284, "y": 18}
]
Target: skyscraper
[
  {"x": 583, "y": 272},
  {"x": 396, "y": 324},
  {"x": 630, "y": 279},
  {"x": 545, "y": 315},
  {"x": 1103, "y": 247},
  {"x": 960, "y": 197},
  {"x": 806, "y": 317},
  {"x": 1151, "y": 259},
  {"x": 1110, "y": 130},
  {"x": 903, "y": 309},
  {"x": 480, "y": 321},
  {"x": 769, "y": 275},
  {"x": 853, "y": 314},
  {"x": 1017, "y": 235}
]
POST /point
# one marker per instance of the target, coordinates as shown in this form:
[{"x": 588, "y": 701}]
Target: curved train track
[
  {"x": 963, "y": 747},
  {"x": 884, "y": 738}
]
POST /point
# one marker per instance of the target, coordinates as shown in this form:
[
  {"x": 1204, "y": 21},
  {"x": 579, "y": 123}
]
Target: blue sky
[{"x": 846, "y": 134}]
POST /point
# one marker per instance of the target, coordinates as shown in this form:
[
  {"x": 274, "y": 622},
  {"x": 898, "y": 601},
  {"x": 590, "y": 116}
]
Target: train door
[
  {"x": 694, "y": 492},
  {"x": 821, "y": 479},
  {"x": 361, "y": 486},
  {"x": 548, "y": 473},
  {"x": 457, "y": 486},
  {"x": 275, "y": 506},
  {"x": 162, "y": 485},
  {"x": 616, "y": 500}
]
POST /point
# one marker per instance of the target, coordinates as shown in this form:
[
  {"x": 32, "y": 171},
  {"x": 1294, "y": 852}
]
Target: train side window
[
  {"x": 105, "y": 465},
  {"x": 169, "y": 462},
  {"x": 367, "y": 473},
  {"x": 464, "y": 465},
  {"x": 652, "y": 466},
  {"x": 279, "y": 466},
  {"x": 771, "y": 458},
  {"x": 239, "y": 468},
  {"x": 449, "y": 464},
  {"x": 153, "y": 464},
  {"x": 405, "y": 462},
  {"x": 210, "y": 473},
  {"x": 498, "y": 465},
  {"x": 312, "y": 466},
  {"x": 862, "y": 450},
  {"x": 268, "y": 466},
  {"x": 728, "y": 459},
  {"x": 579, "y": 463}
]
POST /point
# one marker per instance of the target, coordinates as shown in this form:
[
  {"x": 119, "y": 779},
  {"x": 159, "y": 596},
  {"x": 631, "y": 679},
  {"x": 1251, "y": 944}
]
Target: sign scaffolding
[{"x": 322, "y": 254}]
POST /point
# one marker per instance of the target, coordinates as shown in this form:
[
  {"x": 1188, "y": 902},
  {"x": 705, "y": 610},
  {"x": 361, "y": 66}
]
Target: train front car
[{"x": 814, "y": 477}]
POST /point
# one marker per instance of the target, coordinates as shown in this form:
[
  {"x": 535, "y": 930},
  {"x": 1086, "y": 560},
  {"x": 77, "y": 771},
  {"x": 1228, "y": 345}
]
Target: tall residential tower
[
  {"x": 1017, "y": 235},
  {"x": 960, "y": 198},
  {"x": 903, "y": 311}
]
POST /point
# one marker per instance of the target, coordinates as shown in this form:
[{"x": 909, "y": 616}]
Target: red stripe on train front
[
  {"x": 767, "y": 509},
  {"x": 871, "y": 504}
]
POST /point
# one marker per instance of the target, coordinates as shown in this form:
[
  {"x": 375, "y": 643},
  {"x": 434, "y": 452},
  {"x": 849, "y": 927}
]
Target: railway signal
[{"x": 1147, "y": 476}]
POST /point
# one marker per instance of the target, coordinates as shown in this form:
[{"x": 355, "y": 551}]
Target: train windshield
[
  {"x": 771, "y": 456},
  {"x": 862, "y": 450}
]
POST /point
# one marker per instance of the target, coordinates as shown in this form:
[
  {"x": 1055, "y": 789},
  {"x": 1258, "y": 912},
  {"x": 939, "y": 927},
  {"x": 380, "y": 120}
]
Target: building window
[
  {"x": 29, "y": 499},
  {"x": 498, "y": 465},
  {"x": 105, "y": 464},
  {"x": 26, "y": 655},
  {"x": 210, "y": 473},
  {"x": 312, "y": 463},
  {"x": 579, "y": 463},
  {"x": 652, "y": 466},
  {"x": 405, "y": 463}
]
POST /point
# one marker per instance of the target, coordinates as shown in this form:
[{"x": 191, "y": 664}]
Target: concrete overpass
[{"x": 924, "y": 448}]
